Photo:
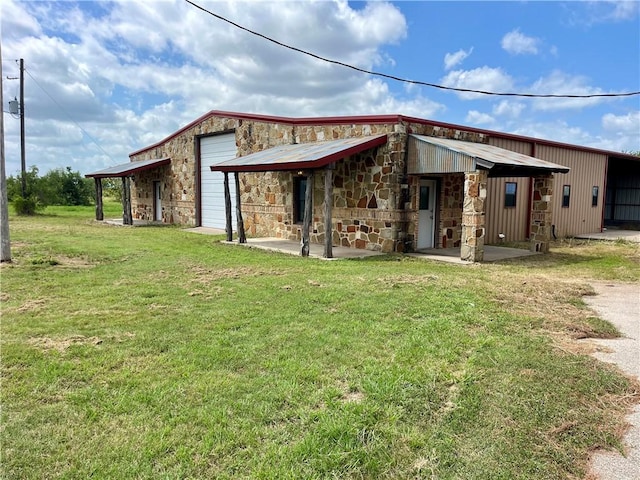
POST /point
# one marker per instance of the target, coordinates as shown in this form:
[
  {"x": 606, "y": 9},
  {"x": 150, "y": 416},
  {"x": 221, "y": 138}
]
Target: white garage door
[{"x": 216, "y": 149}]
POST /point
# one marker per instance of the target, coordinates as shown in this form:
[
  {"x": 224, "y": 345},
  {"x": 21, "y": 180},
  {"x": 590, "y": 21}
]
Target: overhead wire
[
  {"x": 69, "y": 116},
  {"x": 406, "y": 80}
]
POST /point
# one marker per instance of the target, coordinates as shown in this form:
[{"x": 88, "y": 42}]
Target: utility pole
[
  {"x": 5, "y": 243},
  {"x": 23, "y": 160}
]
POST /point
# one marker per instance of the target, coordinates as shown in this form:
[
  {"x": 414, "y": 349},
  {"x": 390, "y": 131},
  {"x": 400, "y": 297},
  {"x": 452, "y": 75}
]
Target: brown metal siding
[
  {"x": 510, "y": 221},
  {"x": 587, "y": 170}
]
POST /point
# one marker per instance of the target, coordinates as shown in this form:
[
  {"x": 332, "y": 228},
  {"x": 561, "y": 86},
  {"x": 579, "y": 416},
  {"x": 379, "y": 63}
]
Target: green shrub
[{"x": 27, "y": 206}]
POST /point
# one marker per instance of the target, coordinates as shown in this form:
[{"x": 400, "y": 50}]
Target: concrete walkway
[
  {"x": 620, "y": 305},
  {"x": 613, "y": 234}
]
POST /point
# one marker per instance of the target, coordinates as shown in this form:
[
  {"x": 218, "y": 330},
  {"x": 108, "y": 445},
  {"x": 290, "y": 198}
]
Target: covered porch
[
  {"x": 305, "y": 160},
  {"x": 125, "y": 172},
  {"x": 431, "y": 158}
]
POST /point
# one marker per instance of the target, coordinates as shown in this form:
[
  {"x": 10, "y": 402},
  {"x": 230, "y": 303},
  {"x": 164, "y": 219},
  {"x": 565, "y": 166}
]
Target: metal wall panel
[
  {"x": 510, "y": 221},
  {"x": 588, "y": 170},
  {"x": 426, "y": 158}
]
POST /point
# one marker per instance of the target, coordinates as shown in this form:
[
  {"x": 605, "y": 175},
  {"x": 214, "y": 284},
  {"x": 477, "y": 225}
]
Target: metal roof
[
  {"x": 300, "y": 156},
  {"x": 442, "y": 155},
  {"x": 129, "y": 168}
]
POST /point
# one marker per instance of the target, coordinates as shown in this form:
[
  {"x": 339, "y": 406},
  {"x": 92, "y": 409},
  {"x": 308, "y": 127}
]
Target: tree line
[{"x": 61, "y": 186}]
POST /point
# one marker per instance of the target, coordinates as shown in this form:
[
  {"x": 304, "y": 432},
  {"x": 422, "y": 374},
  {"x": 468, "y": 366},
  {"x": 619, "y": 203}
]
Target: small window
[
  {"x": 510, "y": 190},
  {"x": 424, "y": 197},
  {"x": 594, "y": 196},
  {"x": 566, "y": 195},
  {"x": 299, "y": 193}
]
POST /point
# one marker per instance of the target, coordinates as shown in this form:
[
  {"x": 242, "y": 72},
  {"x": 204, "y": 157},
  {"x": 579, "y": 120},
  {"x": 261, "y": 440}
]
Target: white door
[
  {"x": 216, "y": 149},
  {"x": 157, "y": 202},
  {"x": 426, "y": 214}
]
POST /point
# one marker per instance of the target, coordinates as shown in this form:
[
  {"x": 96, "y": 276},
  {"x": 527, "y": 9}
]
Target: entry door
[
  {"x": 426, "y": 214},
  {"x": 157, "y": 202}
]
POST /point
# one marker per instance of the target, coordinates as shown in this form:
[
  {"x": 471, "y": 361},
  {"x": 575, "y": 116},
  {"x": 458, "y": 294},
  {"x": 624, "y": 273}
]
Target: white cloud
[
  {"x": 559, "y": 131},
  {"x": 484, "y": 78},
  {"x": 508, "y": 108},
  {"x": 130, "y": 73},
  {"x": 623, "y": 131},
  {"x": 453, "y": 59},
  {"x": 519, "y": 44},
  {"x": 624, "y": 10},
  {"x": 478, "y": 118},
  {"x": 560, "y": 83},
  {"x": 629, "y": 123},
  {"x": 598, "y": 12}
]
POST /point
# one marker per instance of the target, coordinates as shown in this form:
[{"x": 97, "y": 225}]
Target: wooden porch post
[
  {"x": 99, "y": 210},
  {"x": 127, "y": 217},
  {"x": 227, "y": 207},
  {"x": 328, "y": 204},
  {"x": 241, "y": 235},
  {"x": 308, "y": 215}
]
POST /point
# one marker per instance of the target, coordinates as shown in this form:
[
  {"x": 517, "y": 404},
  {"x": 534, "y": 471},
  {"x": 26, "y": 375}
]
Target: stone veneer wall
[
  {"x": 541, "y": 213},
  {"x": 451, "y": 201},
  {"x": 179, "y": 189},
  {"x": 144, "y": 196},
  {"x": 368, "y": 201},
  {"x": 366, "y": 190}
]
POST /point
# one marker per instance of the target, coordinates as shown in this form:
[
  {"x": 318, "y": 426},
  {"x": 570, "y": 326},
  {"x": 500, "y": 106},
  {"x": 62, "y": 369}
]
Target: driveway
[{"x": 620, "y": 305}]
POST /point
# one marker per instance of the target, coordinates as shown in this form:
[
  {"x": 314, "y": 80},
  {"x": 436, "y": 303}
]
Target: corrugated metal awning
[
  {"x": 300, "y": 156},
  {"x": 442, "y": 155},
  {"x": 129, "y": 168}
]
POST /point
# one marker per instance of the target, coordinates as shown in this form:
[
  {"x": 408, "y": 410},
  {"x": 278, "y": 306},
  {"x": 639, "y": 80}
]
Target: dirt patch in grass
[
  {"x": 556, "y": 303},
  {"x": 32, "y": 305},
  {"x": 61, "y": 344},
  {"x": 206, "y": 275},
  {"x": 60, "y": 261},
  {"x": 407, "y": 280},
  {"x": 80, "y": 262}
]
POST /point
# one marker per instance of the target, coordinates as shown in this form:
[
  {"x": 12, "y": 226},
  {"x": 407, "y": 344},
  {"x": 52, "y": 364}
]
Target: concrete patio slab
[
  {"x": 293, "y": 248},
  {"x": 492, "y": 253}
]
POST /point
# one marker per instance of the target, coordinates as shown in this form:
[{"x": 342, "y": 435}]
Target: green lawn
[{"x": 158, "y": 353}]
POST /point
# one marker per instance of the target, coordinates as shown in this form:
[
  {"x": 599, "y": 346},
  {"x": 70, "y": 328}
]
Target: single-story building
[{"x": 388, "y": 183}]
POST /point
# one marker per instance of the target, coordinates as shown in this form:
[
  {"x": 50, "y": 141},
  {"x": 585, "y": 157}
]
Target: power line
[
  {"x": 70, "y": 117},
  {"x": 405, "y": 80}
]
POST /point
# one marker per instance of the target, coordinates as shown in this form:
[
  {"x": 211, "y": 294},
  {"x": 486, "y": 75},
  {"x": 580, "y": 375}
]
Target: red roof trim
[
  {"x": 375, "y": 119},
  {"x": 319, "y": 163},
  {"x": 130, "y": 171}
]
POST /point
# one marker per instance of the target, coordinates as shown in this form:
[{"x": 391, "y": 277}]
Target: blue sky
[{"x": 105, "y": 79}]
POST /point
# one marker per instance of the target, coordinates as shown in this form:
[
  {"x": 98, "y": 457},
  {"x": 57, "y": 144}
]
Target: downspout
[{"x": 603, "y": 205}]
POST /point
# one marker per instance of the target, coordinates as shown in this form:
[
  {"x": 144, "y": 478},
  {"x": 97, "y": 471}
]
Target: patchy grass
[{"x": 152, "y": 352}]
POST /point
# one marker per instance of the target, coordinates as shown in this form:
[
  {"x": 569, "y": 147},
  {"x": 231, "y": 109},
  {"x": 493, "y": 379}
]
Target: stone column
[
  {"x": 473, "y": 216},
  {"x": 541, "y": 213}
]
